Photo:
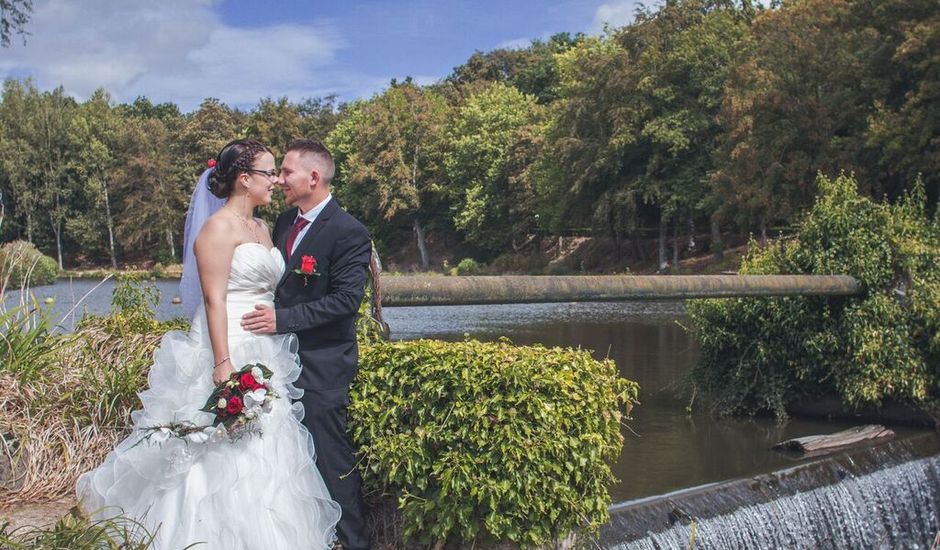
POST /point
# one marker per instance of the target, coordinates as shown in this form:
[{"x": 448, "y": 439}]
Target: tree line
[{"x": 700, "y": 113}]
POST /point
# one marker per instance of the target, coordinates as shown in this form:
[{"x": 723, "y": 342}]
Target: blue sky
[{"x": 243, "y": 50}]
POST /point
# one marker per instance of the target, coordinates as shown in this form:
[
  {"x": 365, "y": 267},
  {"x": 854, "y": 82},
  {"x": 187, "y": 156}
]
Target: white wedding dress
[{"x": 254, "y": 493}]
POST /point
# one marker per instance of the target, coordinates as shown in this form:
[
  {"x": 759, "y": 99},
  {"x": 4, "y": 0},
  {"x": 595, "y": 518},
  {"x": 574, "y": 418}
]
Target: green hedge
[
  {"x": 22, "y": 264},
  {"x": 762, "y": 354},
  {"x": 489, "y": 441}
]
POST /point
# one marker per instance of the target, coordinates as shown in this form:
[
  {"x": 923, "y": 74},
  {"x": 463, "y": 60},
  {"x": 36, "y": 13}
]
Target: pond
[{"x": 666, "y": 448}]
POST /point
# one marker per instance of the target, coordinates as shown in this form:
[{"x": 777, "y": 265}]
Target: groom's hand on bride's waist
[{"x": 260, "y": 321}]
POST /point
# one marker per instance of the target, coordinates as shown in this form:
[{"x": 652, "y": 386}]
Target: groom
[{"x": 327, "y": 254}]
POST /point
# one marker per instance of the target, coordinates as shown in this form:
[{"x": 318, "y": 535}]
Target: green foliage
[
  {"x": 27, "y": 346},
  {"x": 762, "y": 354},
  {"x": 77, "y": 533},
  {"x": 21, "y": 264},
  {"x": 696, "y": 112},
  {"x": 637, "y": 112},
  {"x": 485, "y": 160},
  {"x": 482, "y": 440},
  {"x": 531, "y": 70},
  {"x": 468, "y": 266},
  {"x": 389, "y": 155}
]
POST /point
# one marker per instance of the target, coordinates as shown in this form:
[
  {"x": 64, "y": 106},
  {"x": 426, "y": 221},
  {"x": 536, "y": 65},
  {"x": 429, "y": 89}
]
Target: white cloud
[
  {"x": 613, "y": 14},
  {"x": 174, "y": 50}
]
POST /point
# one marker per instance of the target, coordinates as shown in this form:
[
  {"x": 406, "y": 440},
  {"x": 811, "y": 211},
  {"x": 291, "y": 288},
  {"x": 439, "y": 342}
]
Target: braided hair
[{"x": 236, "y": 157}]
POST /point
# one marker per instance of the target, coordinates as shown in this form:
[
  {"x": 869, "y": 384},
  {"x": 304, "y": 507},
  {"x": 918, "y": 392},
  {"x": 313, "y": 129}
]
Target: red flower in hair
[{"x": 211, "y": 163}]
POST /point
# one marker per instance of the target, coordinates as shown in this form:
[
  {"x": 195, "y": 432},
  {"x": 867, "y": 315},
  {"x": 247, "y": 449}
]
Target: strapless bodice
[{"x": 256, "y": 270}]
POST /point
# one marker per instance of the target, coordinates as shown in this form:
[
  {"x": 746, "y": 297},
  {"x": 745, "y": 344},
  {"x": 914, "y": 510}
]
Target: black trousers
[{"x": 325, "y": 417}]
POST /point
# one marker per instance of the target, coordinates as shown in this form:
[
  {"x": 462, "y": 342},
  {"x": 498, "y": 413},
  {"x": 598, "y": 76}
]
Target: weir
[
  {"x": 887, "y": 496},
  {"x": 424, "y": 290}
]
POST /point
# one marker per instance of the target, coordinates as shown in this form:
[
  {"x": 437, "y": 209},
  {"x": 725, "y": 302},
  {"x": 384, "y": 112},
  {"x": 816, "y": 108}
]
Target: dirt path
[{"x": 38, "y": 514}]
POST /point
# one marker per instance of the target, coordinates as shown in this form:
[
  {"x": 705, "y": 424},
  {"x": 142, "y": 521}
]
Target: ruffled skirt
[{"x": 261, "y": 491}]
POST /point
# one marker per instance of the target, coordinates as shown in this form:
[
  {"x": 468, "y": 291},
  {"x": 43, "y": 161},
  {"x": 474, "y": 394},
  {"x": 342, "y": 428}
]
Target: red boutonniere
[{"x": 308, "y": 268}]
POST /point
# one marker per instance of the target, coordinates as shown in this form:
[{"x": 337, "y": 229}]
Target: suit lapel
[{"x": 311, "y": 236}]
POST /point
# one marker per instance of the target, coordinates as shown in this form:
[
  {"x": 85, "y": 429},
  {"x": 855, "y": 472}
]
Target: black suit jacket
[{"x": 322, "y": 313}]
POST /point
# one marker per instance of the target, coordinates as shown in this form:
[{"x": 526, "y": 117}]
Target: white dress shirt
[{"x": 310, "y": 216}]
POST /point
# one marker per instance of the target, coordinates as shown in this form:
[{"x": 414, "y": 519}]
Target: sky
[{"x": 241, "y": 51}]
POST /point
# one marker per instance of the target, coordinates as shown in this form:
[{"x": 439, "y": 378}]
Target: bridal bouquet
[{"x": 237, "y": 405}]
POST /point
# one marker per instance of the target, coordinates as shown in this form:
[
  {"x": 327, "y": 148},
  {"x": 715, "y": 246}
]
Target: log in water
[{"x": 814, "y": 445}]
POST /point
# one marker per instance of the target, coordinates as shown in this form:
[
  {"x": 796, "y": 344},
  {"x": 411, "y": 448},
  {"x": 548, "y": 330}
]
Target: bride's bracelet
[{"x": 222, "y": 361}]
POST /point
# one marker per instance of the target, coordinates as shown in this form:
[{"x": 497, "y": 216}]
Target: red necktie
[{"x": 294, "y": 231}]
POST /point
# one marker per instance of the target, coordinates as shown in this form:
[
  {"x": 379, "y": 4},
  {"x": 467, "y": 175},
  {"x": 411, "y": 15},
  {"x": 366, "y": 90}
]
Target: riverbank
[
  {"x": 156, "y": 271},
  {"x": 582, "y": 252}
]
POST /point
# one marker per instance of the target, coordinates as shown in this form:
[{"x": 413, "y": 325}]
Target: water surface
[{"x": 666, "y": 448}]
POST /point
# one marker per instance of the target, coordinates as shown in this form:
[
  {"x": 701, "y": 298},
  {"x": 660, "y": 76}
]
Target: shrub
[
  {"x": 468, "y": 266},
  {"x": 21, "y": 264},
  {"x": 761, "y": 354},
  {"x": 489, "y": 440}
]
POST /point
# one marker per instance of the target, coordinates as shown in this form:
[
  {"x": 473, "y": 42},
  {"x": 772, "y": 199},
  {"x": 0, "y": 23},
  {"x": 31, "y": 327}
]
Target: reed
[
  {"x": 66, "y": 398},
  {"x": 75, "y": 532}
]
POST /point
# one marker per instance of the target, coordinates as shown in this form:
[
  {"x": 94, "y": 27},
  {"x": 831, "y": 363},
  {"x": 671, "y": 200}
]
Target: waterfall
[{"x": 882, "y": 497}]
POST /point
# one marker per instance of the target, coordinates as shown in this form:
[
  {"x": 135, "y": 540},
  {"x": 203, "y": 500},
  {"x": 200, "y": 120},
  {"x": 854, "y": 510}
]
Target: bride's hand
[{"x": 222, "y": 372}]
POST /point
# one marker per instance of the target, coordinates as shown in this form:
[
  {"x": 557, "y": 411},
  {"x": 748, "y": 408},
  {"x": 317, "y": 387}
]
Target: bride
[{"x": 254, "y": 492}]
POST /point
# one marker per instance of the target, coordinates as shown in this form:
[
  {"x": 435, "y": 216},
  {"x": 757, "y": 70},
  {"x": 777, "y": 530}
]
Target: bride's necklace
[{"x": 250, "y": 224}]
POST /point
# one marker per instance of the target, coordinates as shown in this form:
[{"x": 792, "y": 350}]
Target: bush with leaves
[
  {"x": 489, "y": 441},
  {"x": 22, "y": 264},
  {"x": 763, "y": 354},
  {"x": 468, "y": 266}
]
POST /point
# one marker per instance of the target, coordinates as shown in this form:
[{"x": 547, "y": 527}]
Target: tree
[
  {"x": 155, "y": 193},
  {"x": 53, "y": 112},
  {"x": 906, "y": 121},
  {"x": 142, "y": 108},
  {"x": 492, "y": 202},
  {"x": 531, "y": 70},
  {"x": 797, "y": 104},
  {"x": 684, "y": 51},
  {"x": 633, "y": 132},
  {"x": 319, "y": 115},
  {"x": 14, "y": 15},
  {"x": 97, "y": 137},
  {"x": 205, "y": 132},
  {"x": 274, "y": 123},
  {"x": 16, "y": 156},
  {"x": 390, "y": 159}
]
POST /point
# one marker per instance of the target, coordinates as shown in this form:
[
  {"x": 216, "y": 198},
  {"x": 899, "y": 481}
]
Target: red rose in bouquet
[
  {"x": 234, "y": 405},
  {"x": 247, "y": 382}
]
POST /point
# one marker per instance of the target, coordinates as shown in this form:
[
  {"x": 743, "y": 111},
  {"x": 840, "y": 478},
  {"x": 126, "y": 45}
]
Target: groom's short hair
[{"x": 319, "y": 152}]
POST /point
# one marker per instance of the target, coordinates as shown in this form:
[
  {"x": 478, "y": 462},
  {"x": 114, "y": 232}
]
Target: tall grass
[
  {"x": 65, "y": 399},
  {"x": 26, "y": 345},
  {"x": 74, "y": 532}
]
